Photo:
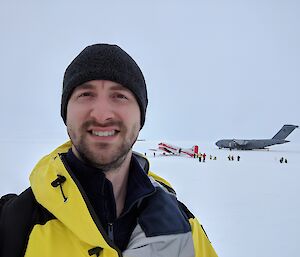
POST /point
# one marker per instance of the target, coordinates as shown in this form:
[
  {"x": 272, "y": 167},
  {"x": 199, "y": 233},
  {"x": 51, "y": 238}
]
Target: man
[{"x": 93, "y": 196}]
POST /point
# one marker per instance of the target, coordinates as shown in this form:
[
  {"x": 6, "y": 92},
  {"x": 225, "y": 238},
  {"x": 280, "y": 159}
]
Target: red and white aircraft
[{"x": 176, "y": 150}]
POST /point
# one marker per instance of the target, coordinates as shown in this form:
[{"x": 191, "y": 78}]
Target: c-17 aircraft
[{"x": 250, "y": 144}]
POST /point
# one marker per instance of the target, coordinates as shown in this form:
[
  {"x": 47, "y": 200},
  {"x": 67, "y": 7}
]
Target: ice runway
[{"x": 248, "y": 208}]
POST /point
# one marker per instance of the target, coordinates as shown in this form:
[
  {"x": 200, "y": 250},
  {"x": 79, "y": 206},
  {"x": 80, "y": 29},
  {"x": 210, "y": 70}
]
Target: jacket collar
[
  {"x": 74, "y": 209},
  {"x": 94, "y": 182}
]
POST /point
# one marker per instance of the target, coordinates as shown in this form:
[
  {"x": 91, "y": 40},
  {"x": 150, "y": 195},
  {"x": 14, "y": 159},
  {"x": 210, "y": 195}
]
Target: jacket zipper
[{"x": 91, "y": 209}]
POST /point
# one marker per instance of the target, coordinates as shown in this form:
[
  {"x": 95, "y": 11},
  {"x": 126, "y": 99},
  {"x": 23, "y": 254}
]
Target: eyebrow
[{"x": 119, "y": 87}]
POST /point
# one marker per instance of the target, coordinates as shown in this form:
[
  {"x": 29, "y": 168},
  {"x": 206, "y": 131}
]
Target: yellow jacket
[{"x": 63, "y": 224}]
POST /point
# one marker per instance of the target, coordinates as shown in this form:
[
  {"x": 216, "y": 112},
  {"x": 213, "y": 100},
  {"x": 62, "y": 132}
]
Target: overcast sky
[{"x": 214, "y": 69}]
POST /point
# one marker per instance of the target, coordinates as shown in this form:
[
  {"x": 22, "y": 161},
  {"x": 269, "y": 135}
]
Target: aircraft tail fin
[
  {"x": 284, "y": 131},
  {"x": 195, "y": 149}
]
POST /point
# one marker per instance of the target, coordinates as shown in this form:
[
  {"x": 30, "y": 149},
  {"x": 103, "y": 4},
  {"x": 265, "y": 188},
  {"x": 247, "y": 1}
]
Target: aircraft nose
[{"x": 218, "y": 143}]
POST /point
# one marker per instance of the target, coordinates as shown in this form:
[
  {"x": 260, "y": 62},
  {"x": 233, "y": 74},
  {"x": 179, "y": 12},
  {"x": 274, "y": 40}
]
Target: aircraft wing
[
  {"x": 176, "y": 150},
  {"x": 162, "y": 149},
  {"x": 240, "y": 142}
]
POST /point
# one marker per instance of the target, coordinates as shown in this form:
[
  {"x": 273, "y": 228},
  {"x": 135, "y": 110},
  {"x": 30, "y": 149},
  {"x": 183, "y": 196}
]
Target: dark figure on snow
[{"x": 204, "y": 157}]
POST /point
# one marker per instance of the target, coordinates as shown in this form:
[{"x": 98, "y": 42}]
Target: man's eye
[
  {"x": 84, "y": 94},
  {"x": 120, "y": 96}
]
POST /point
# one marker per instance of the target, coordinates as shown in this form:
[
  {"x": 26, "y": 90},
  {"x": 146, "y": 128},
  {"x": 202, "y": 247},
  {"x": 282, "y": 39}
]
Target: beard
[{"x": 102, "y": 155}]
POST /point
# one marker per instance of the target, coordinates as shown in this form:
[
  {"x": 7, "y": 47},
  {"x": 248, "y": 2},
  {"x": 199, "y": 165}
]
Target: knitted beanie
[{"x": 105, "y": 62}]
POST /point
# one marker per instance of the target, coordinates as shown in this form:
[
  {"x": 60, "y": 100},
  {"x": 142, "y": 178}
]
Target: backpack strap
[
  {"x": 4, "y": 199},
  {"x": 16, "y": 221}
]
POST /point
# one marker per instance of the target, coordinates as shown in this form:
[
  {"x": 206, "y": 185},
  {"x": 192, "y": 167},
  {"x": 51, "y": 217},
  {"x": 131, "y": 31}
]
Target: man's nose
[{"x": 102, "y": 110}]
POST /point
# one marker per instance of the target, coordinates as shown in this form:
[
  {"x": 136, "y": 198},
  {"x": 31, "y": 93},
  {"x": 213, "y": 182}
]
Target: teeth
[{"x": 103, "y": 133}]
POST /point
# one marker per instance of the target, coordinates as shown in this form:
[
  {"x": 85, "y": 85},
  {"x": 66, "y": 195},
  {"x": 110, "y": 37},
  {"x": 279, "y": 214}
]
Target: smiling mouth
[{"x": 104, "y": 133}]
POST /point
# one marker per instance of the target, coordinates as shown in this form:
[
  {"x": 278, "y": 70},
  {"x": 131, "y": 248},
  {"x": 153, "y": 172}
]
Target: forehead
[{"x": 102, "y": 84}]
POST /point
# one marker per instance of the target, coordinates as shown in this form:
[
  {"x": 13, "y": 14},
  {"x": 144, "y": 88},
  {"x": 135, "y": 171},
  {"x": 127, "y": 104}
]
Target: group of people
[
  {"x": 231, "y": 158},
  {"x": 202, "y": 157},
  {"x": 283, "y": 160}
]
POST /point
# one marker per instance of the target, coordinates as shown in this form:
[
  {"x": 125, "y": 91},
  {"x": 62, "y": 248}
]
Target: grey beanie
[{"x": 105, "y": 62}]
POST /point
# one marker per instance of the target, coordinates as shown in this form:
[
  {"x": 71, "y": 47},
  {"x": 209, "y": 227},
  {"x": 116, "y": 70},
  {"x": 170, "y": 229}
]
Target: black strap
[
  {"x": 15, "y": 222},
  {"x": 4, "y": 199}
]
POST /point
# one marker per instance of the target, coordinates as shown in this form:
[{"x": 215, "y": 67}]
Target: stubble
[{"x": 102, "y": 155}]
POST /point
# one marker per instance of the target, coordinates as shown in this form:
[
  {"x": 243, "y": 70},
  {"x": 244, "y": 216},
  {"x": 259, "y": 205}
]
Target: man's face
[{"x": 103, "y": 122}]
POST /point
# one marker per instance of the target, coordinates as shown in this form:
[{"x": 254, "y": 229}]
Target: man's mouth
[{"x": 108, "y": 133}]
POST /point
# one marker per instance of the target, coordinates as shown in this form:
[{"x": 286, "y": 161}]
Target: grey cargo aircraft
[{"x": 250, "y": 144}]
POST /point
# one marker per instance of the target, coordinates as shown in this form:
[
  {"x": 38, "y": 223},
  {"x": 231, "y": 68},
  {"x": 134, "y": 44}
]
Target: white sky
[{"x": 214, "y": 69}]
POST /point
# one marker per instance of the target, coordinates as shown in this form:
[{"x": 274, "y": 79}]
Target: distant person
[
  {"x": 204, "y": 157},
  {"x": 229, "y": 157},
  {"x": 93, "y": 196},
  {"x": 200, "y": 157},
  {"x": 215, "y": 158},
  {"x": 285, "y": 160},
  {"x": 281, "y": 160},
  {"x": 238, "y": 158}
]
